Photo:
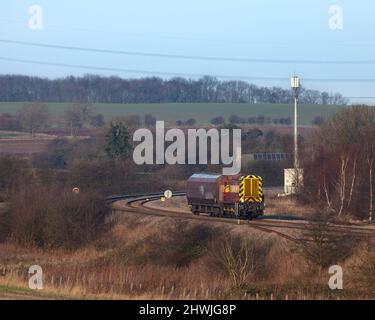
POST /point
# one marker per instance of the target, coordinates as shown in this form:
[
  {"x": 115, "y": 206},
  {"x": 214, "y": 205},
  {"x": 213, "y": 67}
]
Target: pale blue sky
[{"x": 259, "y": 29}]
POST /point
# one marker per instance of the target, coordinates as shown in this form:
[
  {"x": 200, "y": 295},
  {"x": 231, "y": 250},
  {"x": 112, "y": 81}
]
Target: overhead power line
[
  {"x": 190, "y": 57},
  {"x": 136, "y": 71},
  {"x": 360, "y": 97},
  {"x": 177, "y": 74},
  {"x": 200, "y": 39}
]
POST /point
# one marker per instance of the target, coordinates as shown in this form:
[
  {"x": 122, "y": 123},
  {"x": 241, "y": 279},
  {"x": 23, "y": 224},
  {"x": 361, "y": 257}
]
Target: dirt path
[
  {"x": 18, "y": 296},
  {"x": 15, "y": 293}
]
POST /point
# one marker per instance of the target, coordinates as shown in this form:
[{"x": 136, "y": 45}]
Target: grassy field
[{"x": 202, "y": 112}]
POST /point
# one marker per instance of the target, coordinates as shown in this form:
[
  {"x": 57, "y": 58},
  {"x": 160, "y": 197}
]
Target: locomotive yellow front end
[{"x": 251, "y": 196}]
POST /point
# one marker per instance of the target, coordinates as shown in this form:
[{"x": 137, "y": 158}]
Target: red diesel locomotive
[{"x": 227, "y": 196}]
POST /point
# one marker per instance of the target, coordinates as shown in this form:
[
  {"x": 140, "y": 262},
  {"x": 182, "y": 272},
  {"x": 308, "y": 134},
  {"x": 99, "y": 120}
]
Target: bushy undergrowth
[
  {"x": 54, "y": 217},
  {"x": 13, "y": 172}
]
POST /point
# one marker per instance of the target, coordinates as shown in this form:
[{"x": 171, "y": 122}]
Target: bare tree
[
  {"x": 241, "y": 258},
  {"x": 341, "y": 166},
  {"x": 34, "y": 116},
  {"x": 369, "y": 132},
  {"x": 370, "y": 161},
  {"x": 341, "y": 183},
  {"x": 77, "y": 115}
]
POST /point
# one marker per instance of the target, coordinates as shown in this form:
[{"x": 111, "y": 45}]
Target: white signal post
[{"x": 295, "y": 84}]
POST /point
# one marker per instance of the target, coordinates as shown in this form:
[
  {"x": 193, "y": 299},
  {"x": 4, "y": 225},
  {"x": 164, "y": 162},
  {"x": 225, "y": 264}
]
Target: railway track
[{"x": 136, "y": 203}]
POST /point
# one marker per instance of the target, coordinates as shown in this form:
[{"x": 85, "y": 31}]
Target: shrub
[
  {"x": 149, "y": 120},
  {"x": 55, "y": 156},
  {"x": 55, "y": 217},
  {"x": 364, "y": 267},
  {"x": 118, "y": 141},
  {"x": 261, "y": 119},
  {"x": 61, "y": 152},
  {"x": 252, "y": 120},
  {"x": 190, "y": 122},
  {"x": 321, "y": 246},
  {"x": 14, "y": 172},
  {"x": 318, "y": 121},
  {"x": 217, "y": 120},
  {"x": 10, "y": 122},
  {"x": 241, "y": 259},
  {"x": 103, "y": 175},
  {"x": 234, "y": 119},
  {"x": 97, "y": 121},
  {"x": 178, "y": 247}
]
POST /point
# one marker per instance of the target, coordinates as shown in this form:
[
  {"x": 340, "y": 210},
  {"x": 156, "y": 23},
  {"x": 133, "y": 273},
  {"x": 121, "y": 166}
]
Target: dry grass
[
  {"x": 138, "y": 259},
  {"x": 287, "y": 206}
]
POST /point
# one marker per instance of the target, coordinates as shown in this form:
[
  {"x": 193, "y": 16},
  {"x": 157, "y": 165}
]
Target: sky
[{"x": 264, "y": 42}]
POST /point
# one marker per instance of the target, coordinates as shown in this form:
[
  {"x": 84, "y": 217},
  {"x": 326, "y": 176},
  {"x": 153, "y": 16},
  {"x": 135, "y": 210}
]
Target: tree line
[
  {"x": 35, "y": 116},
  {"x": 99, "y": 89},
  {"x": 340, "y": 165}
]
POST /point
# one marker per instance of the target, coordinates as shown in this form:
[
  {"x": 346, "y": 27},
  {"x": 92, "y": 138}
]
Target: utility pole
[{"x": 295, "y": 84}]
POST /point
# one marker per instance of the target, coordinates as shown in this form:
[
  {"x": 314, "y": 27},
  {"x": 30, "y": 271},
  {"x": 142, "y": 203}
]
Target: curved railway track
[{"x": 136, "y": 203}]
